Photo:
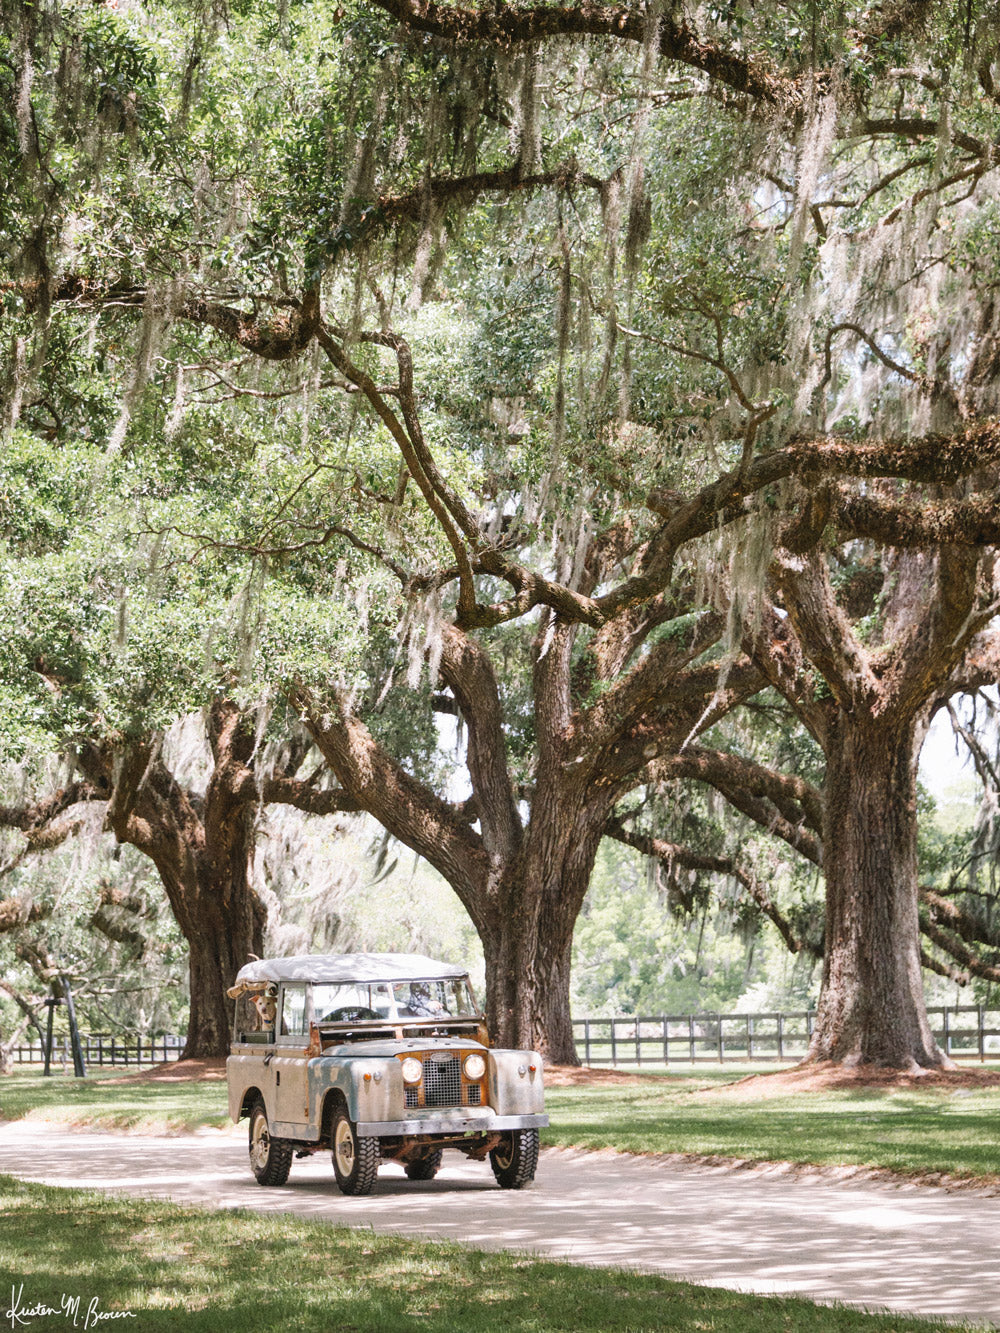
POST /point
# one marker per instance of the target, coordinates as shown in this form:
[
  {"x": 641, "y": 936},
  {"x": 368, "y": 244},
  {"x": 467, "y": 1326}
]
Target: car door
[{"x": 291, "y": 1109}]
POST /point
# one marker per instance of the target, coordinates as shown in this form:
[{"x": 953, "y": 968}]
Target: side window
[{"x": 293, "y": 1011}]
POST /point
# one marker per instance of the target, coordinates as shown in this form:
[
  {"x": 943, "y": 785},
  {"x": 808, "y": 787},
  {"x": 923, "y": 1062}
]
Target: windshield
[
  {"x": 366, "y": 1001},
  {"x": 434, "y": 999}
]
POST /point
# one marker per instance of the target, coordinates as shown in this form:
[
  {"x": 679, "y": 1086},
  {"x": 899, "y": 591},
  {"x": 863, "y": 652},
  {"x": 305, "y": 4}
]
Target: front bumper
[{"x": 463, "y": 1120}]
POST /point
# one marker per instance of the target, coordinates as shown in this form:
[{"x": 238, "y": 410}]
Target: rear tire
[
  {"x": 270, "y": 1159},
  {"x": 426, "y": 1167},
  {"x": 355, "y": 1159},
  {"x": 515, "y": 1159}
]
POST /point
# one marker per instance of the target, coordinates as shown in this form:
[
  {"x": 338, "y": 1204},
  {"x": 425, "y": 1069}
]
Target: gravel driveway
[{"x": 895, "y": 1246}]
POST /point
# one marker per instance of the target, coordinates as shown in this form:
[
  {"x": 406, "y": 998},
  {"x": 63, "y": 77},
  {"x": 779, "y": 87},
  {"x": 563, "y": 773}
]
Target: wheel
[
  {"x": 355, "y": 1159},
  {"x": 270, "y": 1159},
  {"x": 515, "y": 1158},
  {"x": 426, "y": 1167},
  {"x": 351, "y": 1013}
]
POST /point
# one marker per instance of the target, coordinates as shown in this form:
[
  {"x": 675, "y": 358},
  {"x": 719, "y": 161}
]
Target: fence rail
[
  {"x": 964, "y": 1032},
  {"x": 101, "y": 1049}
]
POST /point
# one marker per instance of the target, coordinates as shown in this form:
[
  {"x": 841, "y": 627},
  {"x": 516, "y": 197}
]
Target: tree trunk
[
  {"x": 527, "y": 987},
  {"x": 224, "y": 934},
  {"x": 871, "y": 1008},
  {"x": 202, "y": 848},
  {"x": 529, "y": 941}
]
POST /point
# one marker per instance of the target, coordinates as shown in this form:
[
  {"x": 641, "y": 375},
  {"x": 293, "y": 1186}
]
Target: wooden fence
[
  {"x": 100, "y": 1049},
  {"x": 963, "y": 1032}
]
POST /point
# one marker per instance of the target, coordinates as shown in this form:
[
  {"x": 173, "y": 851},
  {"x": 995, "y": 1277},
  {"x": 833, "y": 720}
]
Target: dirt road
[{"x": 901, "y": 1247}]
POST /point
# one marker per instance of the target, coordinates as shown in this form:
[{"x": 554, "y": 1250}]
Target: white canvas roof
[{"x": 334, "y": 968}]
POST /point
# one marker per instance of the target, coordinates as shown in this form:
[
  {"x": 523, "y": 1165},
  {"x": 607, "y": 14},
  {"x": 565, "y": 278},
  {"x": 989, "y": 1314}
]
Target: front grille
[
  {"x": 442, "y": 1084},
  {"x": 442, "y": 1081}
]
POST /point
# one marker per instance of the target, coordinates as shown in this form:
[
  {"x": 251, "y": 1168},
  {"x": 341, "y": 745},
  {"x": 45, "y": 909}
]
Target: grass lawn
[
  {"x": 113, "y": 1103},
  {"x": 913, "y": 1129},
  {"x": 179, "y": 1268}
]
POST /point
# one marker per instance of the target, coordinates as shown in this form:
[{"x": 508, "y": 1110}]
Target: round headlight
[
  {"x": 475, "y": 1067},
  {"x": 412, "y": 1069}
]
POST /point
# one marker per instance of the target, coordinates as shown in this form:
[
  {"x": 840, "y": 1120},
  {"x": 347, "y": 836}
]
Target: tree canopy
[{"x": 584, "y": 372}]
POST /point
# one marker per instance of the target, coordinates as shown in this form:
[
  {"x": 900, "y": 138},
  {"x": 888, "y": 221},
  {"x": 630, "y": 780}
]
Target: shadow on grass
[{"x": 215, "y": 1272}]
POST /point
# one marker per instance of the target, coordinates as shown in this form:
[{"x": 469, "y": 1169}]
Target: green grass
[
  {"x": 927, "y": 1130},
  {"x": 179, "y": 1268},
  {"x": 113, "y": 1103},
  {"x": 913, "y": 1130}
]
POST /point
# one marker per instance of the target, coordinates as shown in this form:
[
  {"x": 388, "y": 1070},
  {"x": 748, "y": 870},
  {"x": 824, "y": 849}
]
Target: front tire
[
  {"x": 426, "y": 1167},
  {"x": 355, "y": 1159},
  {"x": 515, "y": 1159},
  {"x": 270, "y": 1159}
]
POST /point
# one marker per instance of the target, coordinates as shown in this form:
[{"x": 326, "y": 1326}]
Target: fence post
[
  {"x": 51, "y": 1002},
  {"x": 614, "y": 1047},
  {"x": 781, "y": 1036},
  {"x": 982, "y": 1035},
  {"x": 691, "y": 1036},
  {"x": 666, "y": 1042},
  {"x": 721, "y": 1041}
]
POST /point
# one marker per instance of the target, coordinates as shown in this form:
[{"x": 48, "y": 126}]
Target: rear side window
[{"x": 293, "y": 1011}]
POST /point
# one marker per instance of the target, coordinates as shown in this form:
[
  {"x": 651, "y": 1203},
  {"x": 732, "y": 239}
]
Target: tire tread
[
  {"x": 279, "y": 1157},
  {"x": 520, "y": 1171}
]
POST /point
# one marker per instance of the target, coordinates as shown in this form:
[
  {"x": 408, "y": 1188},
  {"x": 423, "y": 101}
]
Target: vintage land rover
[{"x": 377, "y": 1057}]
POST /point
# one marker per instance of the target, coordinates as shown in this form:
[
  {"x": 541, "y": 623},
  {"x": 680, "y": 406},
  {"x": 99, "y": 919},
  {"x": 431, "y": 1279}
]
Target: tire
[
  {"x": 426, "y": 1167},
  {"x": 515, "y": 1159},
  {"x": 270, "y": 1159},
  {"x": 355, "y": 1159}
]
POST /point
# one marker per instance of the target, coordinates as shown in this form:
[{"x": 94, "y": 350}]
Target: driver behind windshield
[{"x": 419, "y": 1003}]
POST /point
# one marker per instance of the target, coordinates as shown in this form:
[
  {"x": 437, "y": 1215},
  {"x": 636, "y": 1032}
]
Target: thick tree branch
[
  {"x": 943, "y": 912},
  {"x": 111, "y": 925},
  {"x": 468, "y": 672},
  {"x": 302, "y": 795},
  {"x": 403, "y": 805},
  {"x": 822, "y": 628},
  {"x": 917, "y": 127},
  {"x": 980, "y": 666},
  {"x": 32, "y": 818},
  {"x": 787, "y": 807},
  {"x": 673, "y": 854},
  {"x": 950, "y": 944},
  {"x": 506, "y": 24},
  {"x": 651, "y": 684},
  {"x": 955, "y": 974},
  {"x": 17, "y": 912},
  {"x": 439, "y": 191},
  {"x": 971, "y": 522}
]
